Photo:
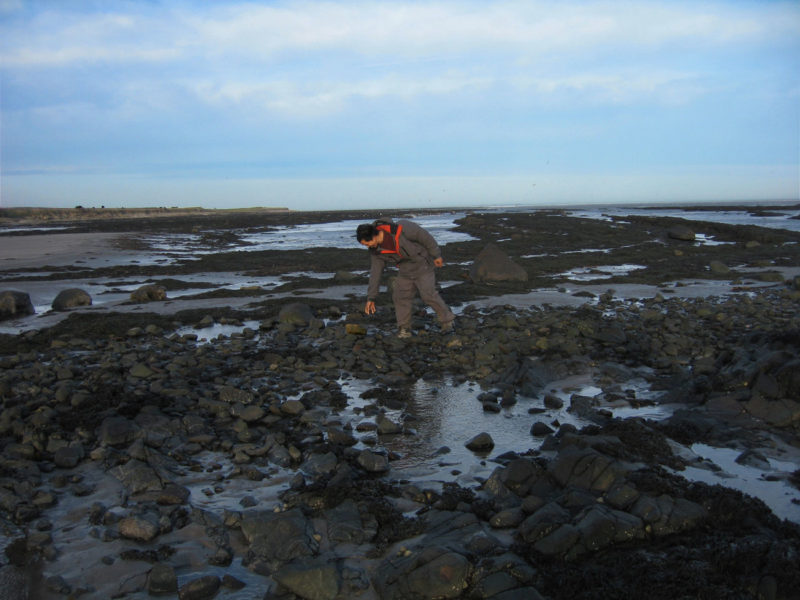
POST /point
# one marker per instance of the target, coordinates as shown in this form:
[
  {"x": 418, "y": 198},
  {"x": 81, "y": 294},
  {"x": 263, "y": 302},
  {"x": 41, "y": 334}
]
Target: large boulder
[
  {"x": 492, "y": 264},
  {"x": 296, "y": 313},
  {"x": 71, "y": 298},
  {"x": 682, "y": 233},
  {"x": 15, "y": 304},
  {"x": 149, "y": 293},
  {"x": 276, "y": 538},
  {"x": 316, "y": 579}
]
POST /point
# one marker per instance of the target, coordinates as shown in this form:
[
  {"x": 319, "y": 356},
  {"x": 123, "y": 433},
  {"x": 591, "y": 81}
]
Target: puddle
[
  {"x": 442, "y": 416},
  {"x": 601, "y": 272},
  {"x": 769, "y": 485},
  {"x": 220, "y": 331}
]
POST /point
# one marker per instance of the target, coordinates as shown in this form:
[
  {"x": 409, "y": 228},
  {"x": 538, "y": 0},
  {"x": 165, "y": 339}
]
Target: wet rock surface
[{"x": 137, "y": 460}]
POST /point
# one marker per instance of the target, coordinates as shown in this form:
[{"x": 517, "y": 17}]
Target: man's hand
[
  {"x": 439, "y": 262},
  {"x": 369, "y": 307}
]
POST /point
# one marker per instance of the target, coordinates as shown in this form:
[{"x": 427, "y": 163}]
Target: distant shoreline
[
  {"x": 31, "y": 214},
  {"x": 37, "y": 215}
]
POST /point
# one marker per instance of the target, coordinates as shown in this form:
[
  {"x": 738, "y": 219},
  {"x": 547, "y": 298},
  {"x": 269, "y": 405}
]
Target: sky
[{"x": 316, "y": 105}]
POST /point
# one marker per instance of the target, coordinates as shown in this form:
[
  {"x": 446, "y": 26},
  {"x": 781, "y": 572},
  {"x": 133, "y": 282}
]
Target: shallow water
[
  {"x": 770, "y": 485},
  {"x": 783, "y": 218}
]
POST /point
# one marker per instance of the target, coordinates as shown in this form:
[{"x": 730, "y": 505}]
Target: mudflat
[{"x": 41, "y": 250}]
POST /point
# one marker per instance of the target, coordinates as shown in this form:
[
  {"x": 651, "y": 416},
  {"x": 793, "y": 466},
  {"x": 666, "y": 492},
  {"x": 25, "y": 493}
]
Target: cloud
[
  {"x": 264, "y": 33},
  {"x": 319, "y": 98}
]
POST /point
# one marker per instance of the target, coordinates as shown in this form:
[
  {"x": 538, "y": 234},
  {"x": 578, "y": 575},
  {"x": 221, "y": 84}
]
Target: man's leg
[
  {"x": 403, "y": 297},
  {"x": 426, "y": 284}
]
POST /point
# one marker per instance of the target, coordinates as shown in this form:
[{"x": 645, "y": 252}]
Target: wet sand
[{"x": 56, "y": 249}]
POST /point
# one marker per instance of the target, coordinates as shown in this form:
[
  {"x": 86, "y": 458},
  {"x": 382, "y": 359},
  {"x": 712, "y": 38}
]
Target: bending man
[{"x": 415, "y": 253}]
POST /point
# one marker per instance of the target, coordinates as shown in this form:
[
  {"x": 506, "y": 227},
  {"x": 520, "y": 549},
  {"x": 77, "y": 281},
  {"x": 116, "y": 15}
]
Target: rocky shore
[{"x": 141, "y": 461}]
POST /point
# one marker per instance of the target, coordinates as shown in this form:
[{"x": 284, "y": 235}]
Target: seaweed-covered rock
[
  {"x": 149, "y": 293},
  {"x": 432, "y": 572},
  {"x": 493, "y": 265},
  {"x": 314, "y": 579},
  {"x": 296, "y": 313},
  {"x": 15, "y": 304},
  {"x": 71, "y": 298}
]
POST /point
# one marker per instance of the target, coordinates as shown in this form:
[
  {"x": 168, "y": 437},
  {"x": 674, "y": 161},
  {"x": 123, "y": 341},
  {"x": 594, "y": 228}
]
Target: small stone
[
  {"x": 481, "y": 442},
  {"x": 202, "y": 588},
  {"x": 162, "y": 580}
]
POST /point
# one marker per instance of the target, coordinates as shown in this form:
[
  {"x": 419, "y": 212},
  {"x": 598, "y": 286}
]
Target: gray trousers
[{"x": 403, "y": 296}]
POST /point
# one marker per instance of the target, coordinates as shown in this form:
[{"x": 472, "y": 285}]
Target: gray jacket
[{"x": 418, "y": 250}]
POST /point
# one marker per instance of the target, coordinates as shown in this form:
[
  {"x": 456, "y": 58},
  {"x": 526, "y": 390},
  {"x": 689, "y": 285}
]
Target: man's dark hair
[{"x": 365, "y": 232}]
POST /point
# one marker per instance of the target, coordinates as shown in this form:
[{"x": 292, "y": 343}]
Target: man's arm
[
  {"x": 375, "y": 271},
  {"x": 415, "y": 233}
]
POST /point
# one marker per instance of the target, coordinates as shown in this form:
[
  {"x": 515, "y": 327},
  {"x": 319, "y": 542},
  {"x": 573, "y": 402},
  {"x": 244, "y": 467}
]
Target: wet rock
[
  {"x": 493, "y": 265},
  {"x": 116, "y": 431},
  {"x": 137, "y": 476},
  {"x": 296, "y": 313},
  {"x": 432, "y": 572},
  {"x": 585, "y": 468},
  {"x": 387, "y": 426},
  {"x": 278, "y": 537},
  {"x": 345, "y": 277},
  {"x": 15, "y": 304},
  {"x": 251, "y": 413},
  {"x": 510, "y": 517},
  {"x": 600, "y": 526},
  {"x": 149, "y": 293},
  {"x": 540, "y": 429},
  {"x": 372, "y": 462},
  {"x": 320, "y": 464},
  {"x": 141, "y": 371},
  {"x": 340, "y": 437},
  {"x": 172, "y": 495},
  {"x": 480, "y": 443},
  {"x": 68, "y": 457},
  {"x": 206, "y": 322},
  {"x": 292, "y": 407},
  {"x": 355, "y": 329},
  {"x": 312, "y": 579},
  {"x": 142, "y": 528},
  {"x": 202, "y": 588},
  {"x": 682, "y": 233},
  {"x": 162, "y": 580},
  {"x": 542, "y": 522},
  {"x": 666, "y": 515},
  {"x": 345, "y": 524},
  {"x": 71, "y": 298},
  {"x": 232, "y": 583},
  {"x": 232, "y": 395},
  {"x": 778, "y": 412},
  {"x": 754, "y": 458},
  {"x": 719, "y": 268},
  {"x": 554, "y": 402}
]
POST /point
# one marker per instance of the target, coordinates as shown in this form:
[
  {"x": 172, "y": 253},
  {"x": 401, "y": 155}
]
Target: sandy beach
[{"x": 55, "y": 249}]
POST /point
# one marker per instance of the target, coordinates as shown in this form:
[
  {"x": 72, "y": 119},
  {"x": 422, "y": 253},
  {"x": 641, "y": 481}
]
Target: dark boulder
[
  {"x": 149, "y": 293},
  {"x": 71, "y": 298},
  {"x": 492, "y": 265},
  {"x": 15, "y": 304},
  {"x": 315, "y": 579},
  {"x": 296, "y": 313},
  {"x": 682, "y": 233}
]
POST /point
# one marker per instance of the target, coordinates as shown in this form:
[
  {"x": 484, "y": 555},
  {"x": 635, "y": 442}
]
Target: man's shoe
[
  {"x": 404, "y": 333},
  {"x": 448, "y": 327}
]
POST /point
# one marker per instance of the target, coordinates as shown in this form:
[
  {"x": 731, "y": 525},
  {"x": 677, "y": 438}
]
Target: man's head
[{"x": 368, "y": 235}]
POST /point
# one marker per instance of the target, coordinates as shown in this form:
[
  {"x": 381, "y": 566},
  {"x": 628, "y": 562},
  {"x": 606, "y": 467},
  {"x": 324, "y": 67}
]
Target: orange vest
[{"x": 388, "y": 229}]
